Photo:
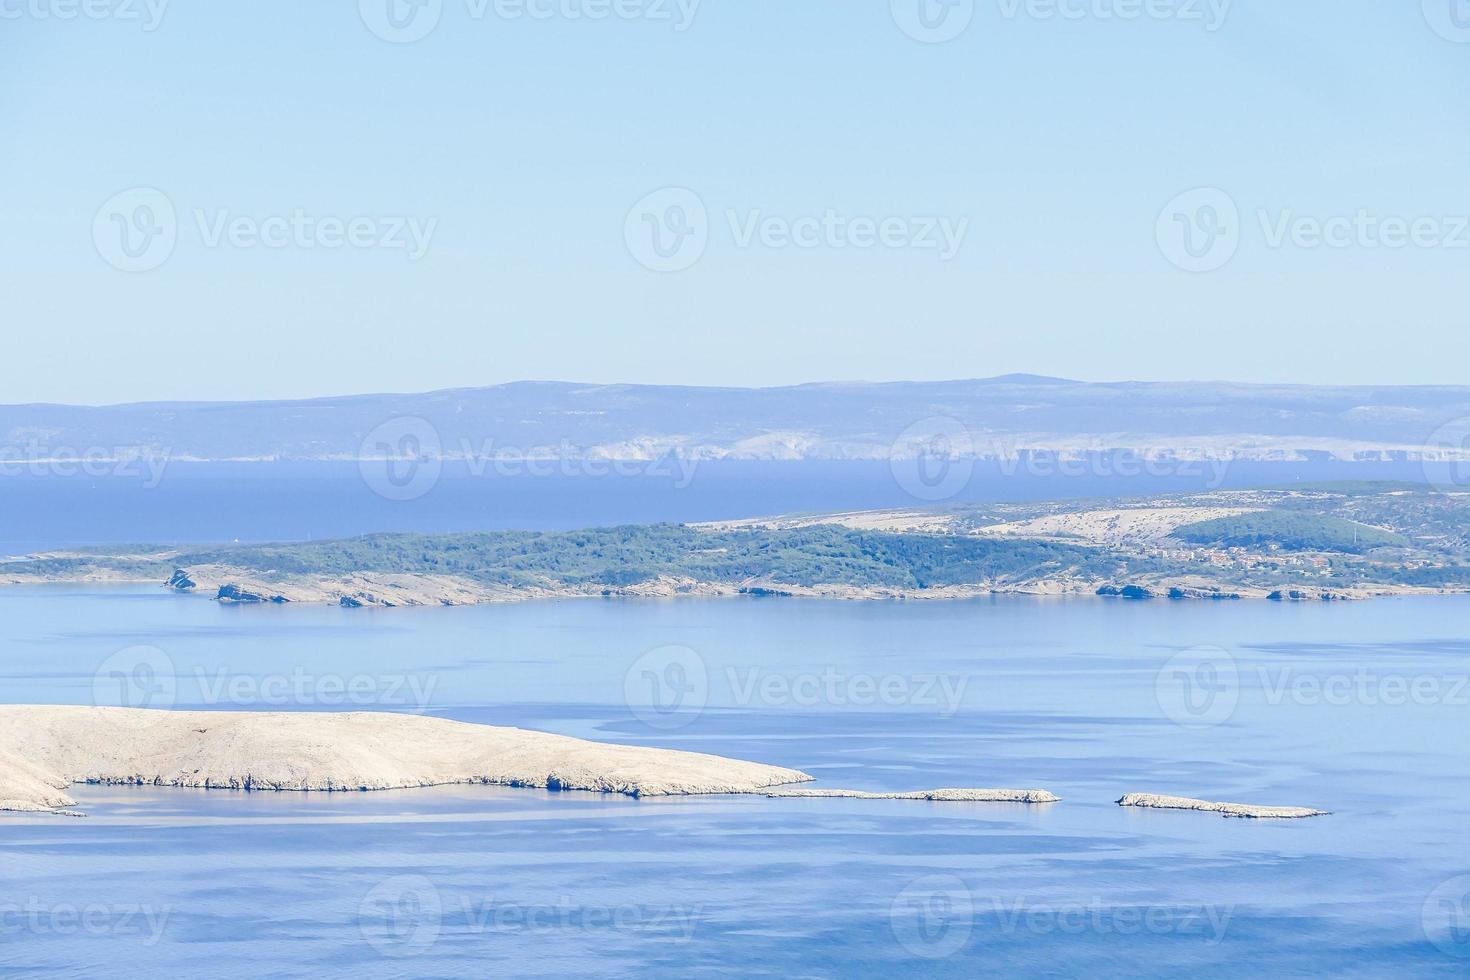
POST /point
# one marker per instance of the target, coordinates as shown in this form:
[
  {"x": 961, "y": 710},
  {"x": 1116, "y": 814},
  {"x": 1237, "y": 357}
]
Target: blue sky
[{"x": 495, "y": 167}]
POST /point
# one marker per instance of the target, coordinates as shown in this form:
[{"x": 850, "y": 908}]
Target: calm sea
[
  {"x": 1360, "y": 709},
  {"x": 76, "y": 504}
]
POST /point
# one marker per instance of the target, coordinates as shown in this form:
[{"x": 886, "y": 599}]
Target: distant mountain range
[{"x": 994, "y": 417}]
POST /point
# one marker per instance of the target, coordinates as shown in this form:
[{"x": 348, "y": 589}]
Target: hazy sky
[{"x": 312, "y": 198}]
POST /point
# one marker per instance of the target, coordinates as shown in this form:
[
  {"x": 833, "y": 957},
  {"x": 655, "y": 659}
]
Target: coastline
[
  {"x": 48, "y": 748},
  {"x": 410, "y": 590}
]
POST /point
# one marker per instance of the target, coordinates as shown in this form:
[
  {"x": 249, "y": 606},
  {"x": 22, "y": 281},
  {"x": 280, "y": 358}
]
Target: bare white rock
[
  {"x": 934, "y": 795},
  {"x": 1248, "y": 810},
  {"x": 26, "y": 787},
  {"x": 47, "y": 748}
]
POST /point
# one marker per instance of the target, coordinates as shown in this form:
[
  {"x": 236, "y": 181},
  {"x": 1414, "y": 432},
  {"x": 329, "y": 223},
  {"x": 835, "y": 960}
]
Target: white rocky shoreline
[
  {"x": 45, "y": 749},
  {"x": 1245, "y": 810},
  {"x": 407, "y": 590}
]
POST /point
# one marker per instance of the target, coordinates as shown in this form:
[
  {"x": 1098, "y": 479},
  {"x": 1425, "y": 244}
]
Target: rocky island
[
  {"x": 49, "y": 748},
  {"x": 1326, "y": 542}
]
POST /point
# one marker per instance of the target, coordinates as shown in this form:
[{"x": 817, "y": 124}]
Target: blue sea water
[
  {"x": 1359, "y": 708},
  {"x": 190, "y": 503}
]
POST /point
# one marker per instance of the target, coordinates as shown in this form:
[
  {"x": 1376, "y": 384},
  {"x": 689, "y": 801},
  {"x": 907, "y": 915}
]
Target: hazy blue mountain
[{"x": 994, "y": 416}]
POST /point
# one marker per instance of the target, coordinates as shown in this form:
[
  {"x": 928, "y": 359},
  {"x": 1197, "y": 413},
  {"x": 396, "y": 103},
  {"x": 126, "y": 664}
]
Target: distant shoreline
[
  {"x": 1313, "y": 543},
  {"x": 389, "y": 592}
]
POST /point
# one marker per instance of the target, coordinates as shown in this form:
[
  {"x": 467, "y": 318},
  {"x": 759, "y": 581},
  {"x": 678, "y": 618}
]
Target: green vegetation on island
[{"x": 1303, "y": 542}]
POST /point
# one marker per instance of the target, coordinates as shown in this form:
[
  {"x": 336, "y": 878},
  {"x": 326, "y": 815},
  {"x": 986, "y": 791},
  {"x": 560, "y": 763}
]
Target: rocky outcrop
[
  {"x": 1130, "y": 592},
  {"x": 233, "y": 593},
  {"x": 1305, "y": 595},
  {"x": 306, "y": 751},
  {"x": 181, "y": 581},
  {"x": 1180, "y": 592},
  {"x": 1247, "y": 810},
  {"x": 933, "y": 795},
  {"x": 28, "y": 788}
]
